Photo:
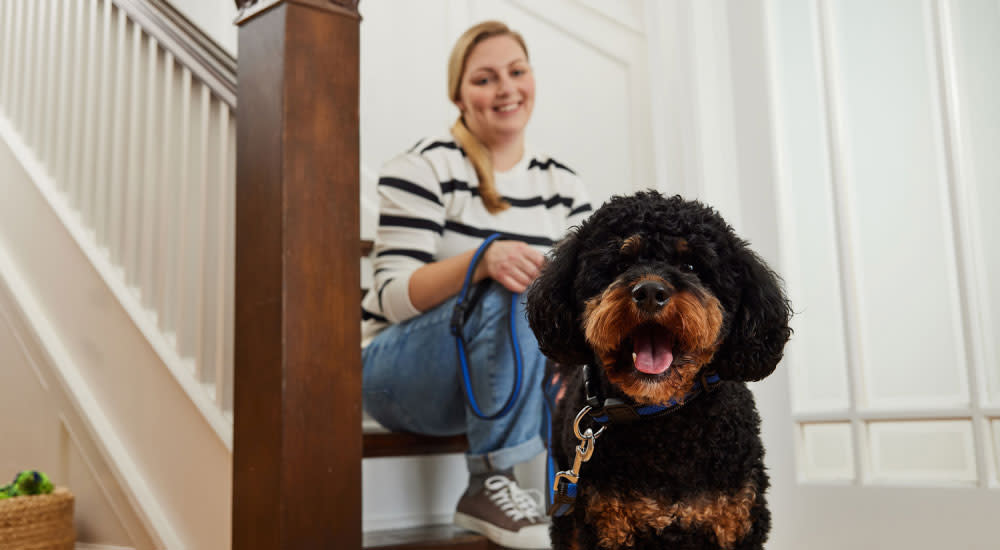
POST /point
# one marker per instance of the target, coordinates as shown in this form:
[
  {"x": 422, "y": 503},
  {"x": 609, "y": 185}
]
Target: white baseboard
[{"x": 90, "y": 546}]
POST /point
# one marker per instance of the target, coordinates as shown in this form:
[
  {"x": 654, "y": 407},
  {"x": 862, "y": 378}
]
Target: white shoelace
[{"x": 515, "y": 502}]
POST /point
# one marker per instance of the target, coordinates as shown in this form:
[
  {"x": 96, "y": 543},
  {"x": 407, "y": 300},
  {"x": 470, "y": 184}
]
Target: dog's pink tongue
[{"x": 653, "y": 352}]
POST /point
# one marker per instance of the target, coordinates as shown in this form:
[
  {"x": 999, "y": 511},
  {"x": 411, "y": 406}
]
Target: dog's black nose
[{"x": 650, "y": 296}]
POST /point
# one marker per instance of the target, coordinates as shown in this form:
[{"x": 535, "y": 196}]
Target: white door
[{"x": 887, "y": 126}]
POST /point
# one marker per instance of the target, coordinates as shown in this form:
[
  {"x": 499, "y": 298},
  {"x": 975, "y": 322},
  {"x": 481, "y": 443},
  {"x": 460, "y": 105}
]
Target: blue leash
[{"x": 458, "y": 318}]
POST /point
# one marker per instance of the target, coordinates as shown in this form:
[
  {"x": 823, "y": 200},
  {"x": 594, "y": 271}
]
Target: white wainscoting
[{"x": 882, "y": 125}]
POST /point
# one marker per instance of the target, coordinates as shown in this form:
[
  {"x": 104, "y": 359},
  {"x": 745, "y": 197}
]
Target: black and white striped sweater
[{"x": 430, "y": 210}]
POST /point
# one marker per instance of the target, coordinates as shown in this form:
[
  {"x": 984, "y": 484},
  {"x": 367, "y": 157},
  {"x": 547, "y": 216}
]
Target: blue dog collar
[{"x": 616, "y": 410}]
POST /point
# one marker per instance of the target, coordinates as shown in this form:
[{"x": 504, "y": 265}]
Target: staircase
[
  {"x": 118, "y": 244},
  {"x": 116, "y": 252}
]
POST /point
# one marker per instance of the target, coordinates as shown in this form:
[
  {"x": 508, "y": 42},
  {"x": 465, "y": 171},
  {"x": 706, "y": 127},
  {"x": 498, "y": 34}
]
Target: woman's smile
[{"x": 507, "y": 108}]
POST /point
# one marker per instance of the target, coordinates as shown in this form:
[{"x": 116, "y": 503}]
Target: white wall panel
[
  {"x": 628, "y": 14},
  {"x": 811, "y": 267},
  {"x": 583, "y": 83},
  {"x": 933, "y": 451},
  {"x": 995, "y": 432},
  {"x": 214, "y": 18},
  {"x": 827, "y": 452},
  {"x": 404, "y": 97},
  {"x": 975, "y": 38},
  {"x": 898, "y": 203}
]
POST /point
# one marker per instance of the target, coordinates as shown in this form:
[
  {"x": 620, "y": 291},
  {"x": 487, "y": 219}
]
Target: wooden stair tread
[
  {"x": 429, "y": 537},
  {"x": 385, "y": 444}
]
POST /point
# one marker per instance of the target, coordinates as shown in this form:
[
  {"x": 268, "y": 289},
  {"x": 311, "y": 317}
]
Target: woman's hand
[{"x": 513, "y": 264}]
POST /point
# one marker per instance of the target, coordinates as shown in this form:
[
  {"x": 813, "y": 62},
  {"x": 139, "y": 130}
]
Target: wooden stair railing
[
  {"x": 298, "y": 442},
  {"x": 297, "y": 422}
]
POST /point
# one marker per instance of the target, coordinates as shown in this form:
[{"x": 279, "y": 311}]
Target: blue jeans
[{"x": 412, "y": 380}]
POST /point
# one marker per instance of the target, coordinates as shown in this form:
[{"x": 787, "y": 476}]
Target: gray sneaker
[{"x": 505, "y": 513}]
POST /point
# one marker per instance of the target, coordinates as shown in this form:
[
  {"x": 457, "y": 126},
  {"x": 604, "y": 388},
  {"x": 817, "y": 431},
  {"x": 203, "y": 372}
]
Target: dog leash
[
  {"x": 604, "y": 411},
  {"x": 460, "y": 314}
]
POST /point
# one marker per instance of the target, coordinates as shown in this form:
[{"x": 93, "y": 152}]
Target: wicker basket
[{"x": 38, "y": 522}]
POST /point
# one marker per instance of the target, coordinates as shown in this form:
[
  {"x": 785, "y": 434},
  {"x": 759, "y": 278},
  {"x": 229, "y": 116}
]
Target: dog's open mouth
[{"x": 652, "y": 349}]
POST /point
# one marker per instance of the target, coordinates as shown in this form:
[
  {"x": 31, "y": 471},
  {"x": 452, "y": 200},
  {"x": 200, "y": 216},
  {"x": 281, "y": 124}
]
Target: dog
[{"x": 668, "y": 306}]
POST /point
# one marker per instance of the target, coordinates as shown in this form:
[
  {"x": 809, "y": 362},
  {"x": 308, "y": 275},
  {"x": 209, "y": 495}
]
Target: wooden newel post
[{"x": 297, "y": 440}]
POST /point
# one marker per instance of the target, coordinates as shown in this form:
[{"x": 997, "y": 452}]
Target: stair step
[
  {"x": 429, "y": 537},
  {"x": 406, "y": 444}
]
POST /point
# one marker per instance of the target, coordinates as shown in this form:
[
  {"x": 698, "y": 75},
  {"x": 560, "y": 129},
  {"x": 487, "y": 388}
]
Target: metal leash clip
[{"x": 564, "y": 486}]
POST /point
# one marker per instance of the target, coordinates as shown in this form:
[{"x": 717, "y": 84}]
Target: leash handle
[
  {"x": 462, "y": 304},
  {"x": 458, "y": 317}
]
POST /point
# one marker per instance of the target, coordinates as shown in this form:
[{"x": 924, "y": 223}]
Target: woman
[{"x": 438, "y": 202}]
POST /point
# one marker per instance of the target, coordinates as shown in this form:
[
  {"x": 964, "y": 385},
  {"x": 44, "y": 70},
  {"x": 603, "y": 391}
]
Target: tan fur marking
[
  {"x": 617, "y": 519},
  {"x": 694, "y": 321},
  {"x": 631, "y": 246},
  {"x": 682, "y": 246}
]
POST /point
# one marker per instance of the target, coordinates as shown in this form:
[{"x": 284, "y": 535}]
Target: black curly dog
[{"x": 658, "y": 294}]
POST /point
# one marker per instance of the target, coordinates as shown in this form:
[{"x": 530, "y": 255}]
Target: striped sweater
[{"x": 430, "y": 209}]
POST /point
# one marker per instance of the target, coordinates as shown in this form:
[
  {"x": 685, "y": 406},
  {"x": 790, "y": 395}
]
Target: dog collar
[{"x": 616, "y": 411}]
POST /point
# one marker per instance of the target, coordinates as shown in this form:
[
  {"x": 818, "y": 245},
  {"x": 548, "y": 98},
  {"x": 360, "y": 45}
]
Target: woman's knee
[{"x": 494, "y": 302}]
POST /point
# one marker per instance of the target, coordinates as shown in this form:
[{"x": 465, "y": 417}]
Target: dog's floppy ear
[
  {"x": 758, "y": 328},
  {"x": 552, "y": 307}
]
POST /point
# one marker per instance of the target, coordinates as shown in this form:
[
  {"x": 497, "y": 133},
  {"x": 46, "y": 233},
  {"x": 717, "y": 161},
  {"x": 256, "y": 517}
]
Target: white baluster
[
  {"x": 38, "y": 62},
  {"x": 21, "y": 54},
  {"x": 148, "y": 243},
  {"x": 50, "y": 87},
  {"x": 88, "y": 165},
  {"x": 77, "y": 107},
  {"x": 61, "y": 172},
  {"x": 182, "y": 215},
  {"x": 199, "y": 227},
  {"x": 39, "y": 89},
  {"x": 105, "y": 119},
  {"x": 28, "y": 72},
  {"x": 134, "y": 188},
  {"x": 222, "y": 222},
  {"x": 6, "y": 71},
  {"x": 214, "y": 198},
  {"x": 119, "y": 162},
  {"x": 168, "y": 227},
  {"x": 5, "y": 8},
  {"x": 230, "y": 262}
]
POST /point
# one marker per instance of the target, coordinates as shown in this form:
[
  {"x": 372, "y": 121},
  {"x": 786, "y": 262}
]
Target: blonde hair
[{"x": 474, "y": 149}]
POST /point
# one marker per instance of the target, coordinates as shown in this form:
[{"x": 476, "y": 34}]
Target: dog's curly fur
[{"x": 695, "y": 478}]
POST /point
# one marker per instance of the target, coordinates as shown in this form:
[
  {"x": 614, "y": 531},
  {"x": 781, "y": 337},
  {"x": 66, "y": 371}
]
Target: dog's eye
[{"x": 687, "y": 267}]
